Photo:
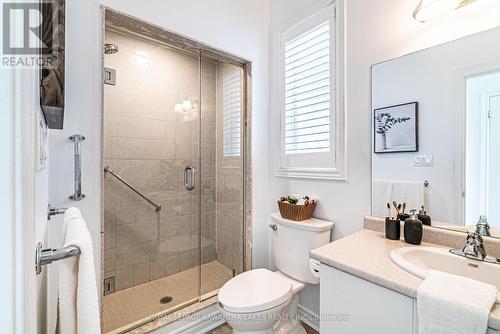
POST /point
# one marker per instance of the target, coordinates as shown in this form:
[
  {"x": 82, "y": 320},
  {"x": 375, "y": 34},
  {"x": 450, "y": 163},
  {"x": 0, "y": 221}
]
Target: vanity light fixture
[{"x": 429, "y": 9}]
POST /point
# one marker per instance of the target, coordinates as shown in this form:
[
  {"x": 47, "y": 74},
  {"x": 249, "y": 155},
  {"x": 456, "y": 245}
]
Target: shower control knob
[{"x": 273, "y": 227}]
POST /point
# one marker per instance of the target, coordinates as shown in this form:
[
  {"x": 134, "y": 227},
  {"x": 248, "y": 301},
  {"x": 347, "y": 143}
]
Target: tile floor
[
  {"x": 130, "y": 305},
  {"x": 226, "y": 329}
]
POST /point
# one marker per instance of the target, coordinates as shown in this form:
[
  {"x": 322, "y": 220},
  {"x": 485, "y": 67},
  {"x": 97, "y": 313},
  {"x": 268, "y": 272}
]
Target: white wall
[
  {"x": 376, "y": 31},
  {"x": 238, "y": 27}
]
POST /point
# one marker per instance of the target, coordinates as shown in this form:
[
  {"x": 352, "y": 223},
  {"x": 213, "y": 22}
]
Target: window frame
[{"x": 333, "y": 163}]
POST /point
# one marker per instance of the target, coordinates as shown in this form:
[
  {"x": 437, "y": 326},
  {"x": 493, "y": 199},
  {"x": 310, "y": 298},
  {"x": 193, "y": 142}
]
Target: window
[
  {"x": 307, "y": 91},
  {"x": 232, "y": 113},
  {"x": 310, "y": 87}
]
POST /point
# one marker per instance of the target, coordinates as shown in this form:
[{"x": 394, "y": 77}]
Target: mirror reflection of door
[
  {"x": 493, "y": 207},
  {"x": 483, "y": 149}
]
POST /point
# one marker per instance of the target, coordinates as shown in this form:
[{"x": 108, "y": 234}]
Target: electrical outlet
[
  {"x": 109, "y": 285},
  {"x": 423, "y": 160},
  {"x": 109, "y": 76}
]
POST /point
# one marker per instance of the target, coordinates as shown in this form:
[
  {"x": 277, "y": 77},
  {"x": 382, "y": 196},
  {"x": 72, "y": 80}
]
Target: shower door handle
[{"x": 189, "y": 183}]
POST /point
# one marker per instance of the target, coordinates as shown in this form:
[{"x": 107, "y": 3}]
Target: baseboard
[
  {"x": 308, "y": 317},
  {"x": 197, "y": 323}
]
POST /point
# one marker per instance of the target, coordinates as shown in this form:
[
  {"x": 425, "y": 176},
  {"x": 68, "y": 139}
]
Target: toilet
[{"x": 260, "y": 301}]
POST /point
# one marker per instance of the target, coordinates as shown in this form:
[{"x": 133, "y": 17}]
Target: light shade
[
  {"x": 186, "y": 106},
  {"x": 429, "y": 9}
]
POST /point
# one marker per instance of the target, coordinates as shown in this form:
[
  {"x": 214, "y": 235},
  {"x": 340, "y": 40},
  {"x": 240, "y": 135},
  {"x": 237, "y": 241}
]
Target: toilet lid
[{"x": 255, "y": 290}]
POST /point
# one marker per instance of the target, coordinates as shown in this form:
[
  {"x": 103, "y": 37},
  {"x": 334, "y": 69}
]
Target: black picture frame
[{"x": 404, "y": 110}]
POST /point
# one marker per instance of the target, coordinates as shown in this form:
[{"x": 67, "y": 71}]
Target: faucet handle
[
  {"x": 482, "y": 227},
  {"x": 474, "y": 246}
]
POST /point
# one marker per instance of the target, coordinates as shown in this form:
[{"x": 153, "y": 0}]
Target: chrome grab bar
[
  {"x": 189, "y": 186},
  {"x": 47, "y": 256},
  {"x": 77, "y": 196},
  {"x": 107, "y": 169}
]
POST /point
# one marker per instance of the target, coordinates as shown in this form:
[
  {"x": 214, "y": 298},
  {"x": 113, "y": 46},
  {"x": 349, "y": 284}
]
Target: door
[
  {"x": 493, "y": 199},
  {"x": 482, "y": 148},
  {"x": 151, "y": 193},
  {"x": 221, "y": 179}
]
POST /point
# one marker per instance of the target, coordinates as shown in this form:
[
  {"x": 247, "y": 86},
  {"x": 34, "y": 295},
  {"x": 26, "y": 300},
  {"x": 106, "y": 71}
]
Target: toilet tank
[{"x": 292, "y": 242}]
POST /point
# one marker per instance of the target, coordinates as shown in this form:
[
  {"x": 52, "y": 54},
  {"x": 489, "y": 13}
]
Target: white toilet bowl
[
  {"x": 261, "y": 302},
  {"x": 254, "y": 323}
]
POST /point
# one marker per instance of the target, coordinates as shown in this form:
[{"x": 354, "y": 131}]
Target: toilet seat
[{"x": 254, "y": 291}]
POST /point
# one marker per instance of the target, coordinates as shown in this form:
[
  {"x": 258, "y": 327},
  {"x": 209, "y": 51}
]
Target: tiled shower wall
[
  {"x": 229, "y": 187},
  {"x": 149, "y": 144}
]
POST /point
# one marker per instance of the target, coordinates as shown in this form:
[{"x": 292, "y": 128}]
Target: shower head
[{"x": 110, "y": 49}]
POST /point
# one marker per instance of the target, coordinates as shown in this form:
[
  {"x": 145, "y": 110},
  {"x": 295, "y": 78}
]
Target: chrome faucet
[
  {"x": 474, "y": 249},
  {"x": 482, "y": 227}
]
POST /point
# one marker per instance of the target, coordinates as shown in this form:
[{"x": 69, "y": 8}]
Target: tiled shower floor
[{"x": 133, "y": 304}]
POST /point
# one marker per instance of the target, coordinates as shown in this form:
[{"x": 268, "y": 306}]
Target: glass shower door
[
  {"x": 151, "y": 119},
  {"x": 221, "y": 178},
  {"x": 174, "y": 130}
]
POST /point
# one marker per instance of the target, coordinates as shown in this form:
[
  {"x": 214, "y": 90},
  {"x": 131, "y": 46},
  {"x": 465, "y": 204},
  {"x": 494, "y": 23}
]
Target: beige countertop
[{"x": 365, "y": 254}]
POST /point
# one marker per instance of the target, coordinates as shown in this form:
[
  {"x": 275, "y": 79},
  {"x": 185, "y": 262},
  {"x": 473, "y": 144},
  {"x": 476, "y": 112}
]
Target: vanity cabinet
[
  {"x": 362, "y": 307},
  {"x": 369, "y": 308}
]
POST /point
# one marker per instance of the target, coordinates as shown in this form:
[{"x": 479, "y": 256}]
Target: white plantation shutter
[
  {"x": 232, "y": 113},
  {"x": 309, "y": 84},
  {"x": 307, "y": 92}
]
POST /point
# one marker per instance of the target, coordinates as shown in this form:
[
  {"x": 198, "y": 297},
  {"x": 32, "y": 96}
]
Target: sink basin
[{"x": 419, "y": 260}]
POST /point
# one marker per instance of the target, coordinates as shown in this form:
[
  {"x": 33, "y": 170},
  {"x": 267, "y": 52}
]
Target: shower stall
[{"x": 175, "y": 177}]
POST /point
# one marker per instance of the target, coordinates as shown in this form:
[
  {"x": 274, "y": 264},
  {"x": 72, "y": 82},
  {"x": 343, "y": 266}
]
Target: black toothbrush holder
[
  {"x": 392, "y": 229},
  {"x": 403, "y": 216}
]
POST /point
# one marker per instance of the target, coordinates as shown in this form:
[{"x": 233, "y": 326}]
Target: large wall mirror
[{"x": 436, "y": 133}]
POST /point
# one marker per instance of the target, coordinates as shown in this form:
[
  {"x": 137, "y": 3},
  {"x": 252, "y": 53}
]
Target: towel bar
[
  {"x": 47, "y": 256},
  {"x": 54, "y": 212}
]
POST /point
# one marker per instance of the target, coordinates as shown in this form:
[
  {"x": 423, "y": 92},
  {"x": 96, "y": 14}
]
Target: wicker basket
[{"x": 296, "y": 212}]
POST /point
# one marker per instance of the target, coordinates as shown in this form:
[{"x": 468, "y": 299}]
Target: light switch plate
[{"x": 423, "y": 160}]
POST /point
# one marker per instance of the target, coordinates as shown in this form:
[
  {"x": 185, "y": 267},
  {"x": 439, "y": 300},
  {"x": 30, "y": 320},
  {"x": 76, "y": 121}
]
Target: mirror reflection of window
[
  {"x": 483, "y": 149},
  {"x": 232, "y": 112}
]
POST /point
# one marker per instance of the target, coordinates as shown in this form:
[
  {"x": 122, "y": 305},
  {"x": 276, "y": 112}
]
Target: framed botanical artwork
[{"x": 396, "y": 128}]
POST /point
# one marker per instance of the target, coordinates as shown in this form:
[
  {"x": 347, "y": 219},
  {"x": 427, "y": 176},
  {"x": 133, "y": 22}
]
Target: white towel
[
  {"x": 411, "y": 193},
  {"x": 381, "y": 195},
  {"x": 453, "y": 304},
  {"x": 78, "y": 297}
]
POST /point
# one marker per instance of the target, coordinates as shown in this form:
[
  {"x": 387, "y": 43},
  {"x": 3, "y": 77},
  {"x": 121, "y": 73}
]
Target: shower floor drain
[{"x": 166, "y": 300}]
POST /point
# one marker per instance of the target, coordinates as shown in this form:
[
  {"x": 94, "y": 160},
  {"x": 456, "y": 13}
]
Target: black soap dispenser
[
  {"x": 413, "y": 230},
  {"x": 424, "y": 218}
]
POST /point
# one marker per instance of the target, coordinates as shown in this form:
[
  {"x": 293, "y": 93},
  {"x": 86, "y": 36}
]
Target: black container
[
  {"x": 403, "y": 216},
  {"x": 392, "y": 229},
  {"x": 413, "y": 230},
  {"x": 425, "y": 219}
]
